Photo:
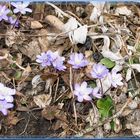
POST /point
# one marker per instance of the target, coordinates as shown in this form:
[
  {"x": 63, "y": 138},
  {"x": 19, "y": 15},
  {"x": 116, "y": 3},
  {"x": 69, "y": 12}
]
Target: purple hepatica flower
[
  {"x": 12, "y": 21},
  {"x": 77, "y": 60},
  {"x": 96, "y": 92},
  {"x": 4, "y": 105},
  {"x": 3, "y": 13},
  {"x": 58, "y": 63},
  {"x": 21, "y": 7},
  {"x": 45, "y": 58},
  {"x": 48, "y": 58},
  {"x": 115, "y": 79},
  {"x": 6, "y": 93},
  {"x": 99, "y": 71},
  {"x": 82, "y": 92}
]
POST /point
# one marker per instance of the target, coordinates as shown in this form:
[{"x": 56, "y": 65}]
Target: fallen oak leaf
[
  {"x": 42, "y": 100},
  {"x": 12, "y": 119},
  {"x": 50, "y": 112},
  {"x": 59, "y": 124}
]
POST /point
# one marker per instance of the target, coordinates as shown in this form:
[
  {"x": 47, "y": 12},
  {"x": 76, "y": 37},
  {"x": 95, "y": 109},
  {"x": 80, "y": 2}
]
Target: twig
[
  {"x": 16, "y": 20},
  {"x": 50, "y": 90},
  {"x": 26, "y": 126},
  {"x": 22, "y": 68},
  {"x": 61, "y": 95},
  {"x": 75, "y": 17},
  {"x": 58, "y": 9},
  {"x": 71, "y": 88},
  {"x": 5, "y": 76},
  {"x": 101, "y": 86},
  {"x": 56, "y": 89},
  {"x": 31, "y": 35},
  {"x": 14, "y": 62}
]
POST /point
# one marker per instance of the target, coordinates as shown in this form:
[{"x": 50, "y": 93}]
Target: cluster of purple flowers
[
  {"x": 77, "y": 60},
  {"x": 6, "y": 98},
  {"x": 51, "y": 58},
  {"x": 82, "y": 92},
  {"x": 99, "y": 71},
  {"x": 20, "y": 7}
]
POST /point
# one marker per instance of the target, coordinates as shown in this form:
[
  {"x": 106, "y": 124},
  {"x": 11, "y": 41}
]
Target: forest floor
[{"x": 45, "y": 104}]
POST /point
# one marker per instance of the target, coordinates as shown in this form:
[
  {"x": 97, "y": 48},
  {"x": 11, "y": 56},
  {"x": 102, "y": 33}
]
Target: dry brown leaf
[
  {"x": 42, "y": 100},
  {"x": 3, "y": 63},
  {"x": 22, "y": 109},
  {"x": 36, "y": 45},
  {"x": 36, "y": 80},
  {"x": 107, "y": 127},
  {"x": 14, "y": 37},
  {"x": 49, "y": 75},
  {"x": 126, "y": 112},
  {"x": 31, "y": 49},
  {"x": 59, "y": 124},
  {"x": 123, "y": 10},
  {"x": 36, "y": 25},
  {"x": 39, "y": 10},
  {"x": 12, "y": 119},
  {"x": 135, "y": 128},
  {"x": 55, "y": 22},
  {"x": 43, "y": 40},
  {"x": 117, "y": 126},
  {"x": 50, "y": 112},
  {"x": 27, "y": 71}
]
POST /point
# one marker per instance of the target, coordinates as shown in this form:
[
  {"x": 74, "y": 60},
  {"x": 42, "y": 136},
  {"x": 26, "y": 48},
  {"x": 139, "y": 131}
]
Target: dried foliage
[{"x": 105, "y": 33}]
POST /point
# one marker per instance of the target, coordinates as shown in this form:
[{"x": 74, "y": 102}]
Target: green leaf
[
  {"x": 112, "y": 124},
  {"x": 13, "y": 65},
  {"x": 105, "y": 106},
  {"x": 104, "y": 113},
  {"x": 92, "y": 84},
  {"x": 104, "y": 103},
  {"x": 107, "y": 62},
  {"x": 18, "y": 75},
  {"x": 137, "y": 46}
]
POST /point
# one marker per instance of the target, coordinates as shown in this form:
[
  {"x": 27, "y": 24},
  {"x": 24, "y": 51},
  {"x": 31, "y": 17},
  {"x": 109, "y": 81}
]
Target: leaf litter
[{"x": 59, "y": 100}]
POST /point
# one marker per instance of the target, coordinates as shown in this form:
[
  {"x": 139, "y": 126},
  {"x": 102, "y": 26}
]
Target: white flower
[
  {"x": 21, "y": 7},
  {"x": 6, "y": 93},
  {"x": 115, "y": 79},
  {"x": 96, "y": 92},
  {"x": 82, "y": 92}
]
